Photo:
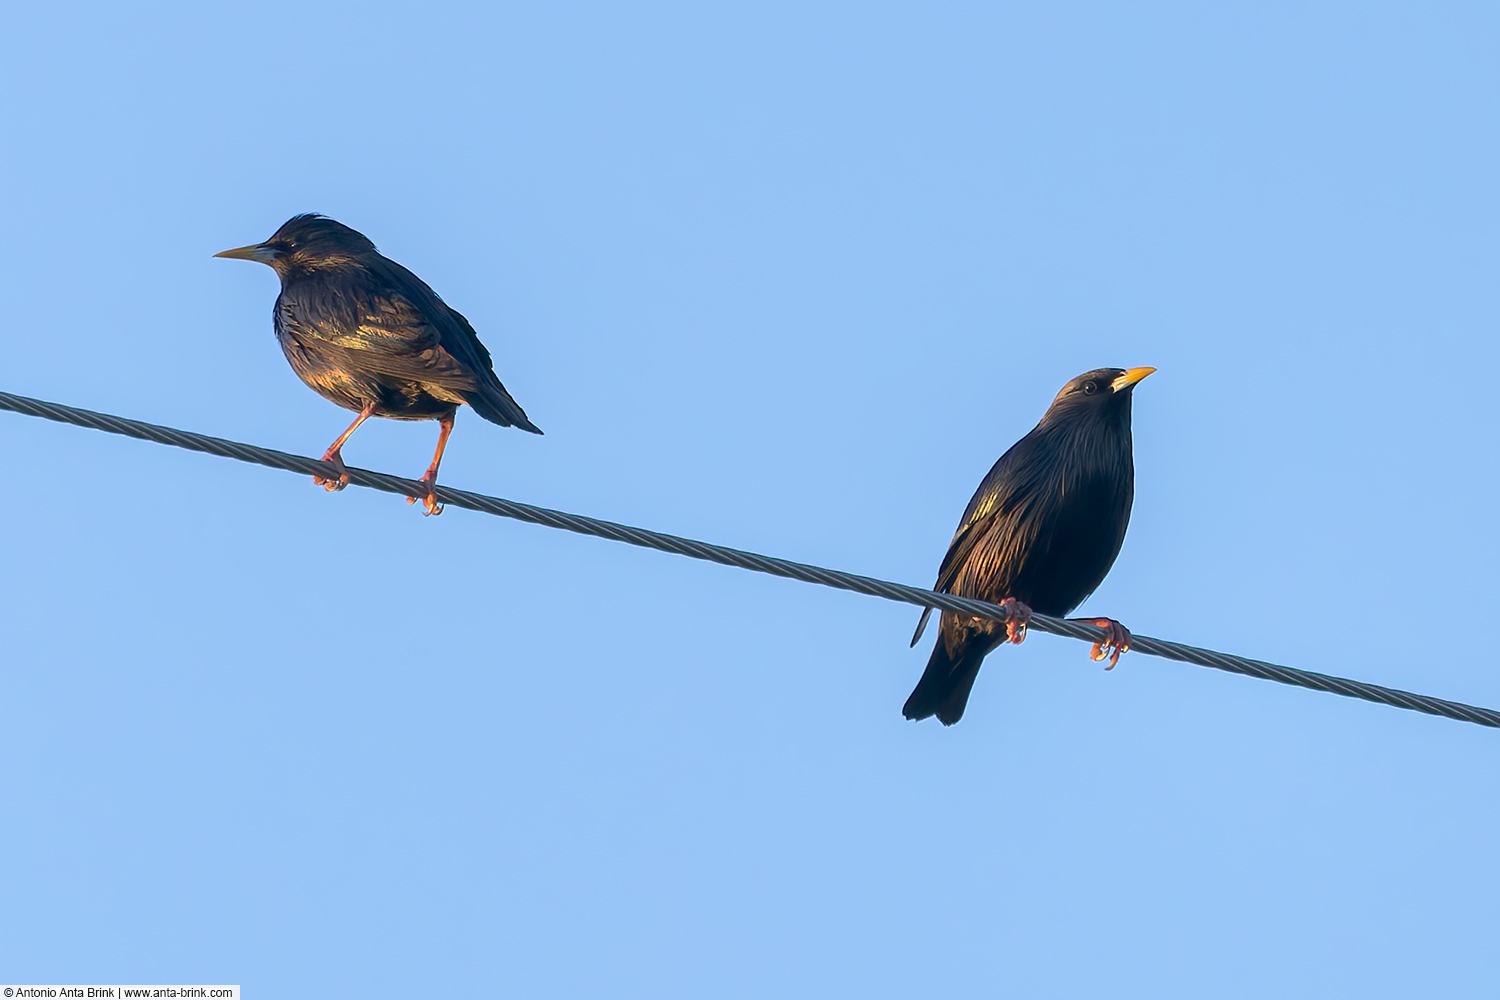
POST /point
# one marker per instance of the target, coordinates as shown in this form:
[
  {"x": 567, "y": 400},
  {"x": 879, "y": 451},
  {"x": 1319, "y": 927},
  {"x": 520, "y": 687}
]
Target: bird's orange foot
[
  {"x": 1017, "y": 615},
  {"x": 333, "y": 485},
  {"x": 1116, "y": 640},
  {"x": 429, "y": 501}
]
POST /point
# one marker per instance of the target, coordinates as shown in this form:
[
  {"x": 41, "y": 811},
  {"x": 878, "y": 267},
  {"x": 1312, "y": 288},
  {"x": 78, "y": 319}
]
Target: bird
[
  {"x": 1039, "y": 534},
  {"x": 364, "y": 332}
]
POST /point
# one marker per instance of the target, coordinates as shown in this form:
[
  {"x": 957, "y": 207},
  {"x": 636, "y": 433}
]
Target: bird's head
[
  {"x": 306, "y": 244},
  {"x": 1102, "y": 394}
]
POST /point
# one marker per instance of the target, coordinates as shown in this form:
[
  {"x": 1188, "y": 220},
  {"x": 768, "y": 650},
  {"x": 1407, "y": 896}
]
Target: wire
[{"x": 739, "y": 558}]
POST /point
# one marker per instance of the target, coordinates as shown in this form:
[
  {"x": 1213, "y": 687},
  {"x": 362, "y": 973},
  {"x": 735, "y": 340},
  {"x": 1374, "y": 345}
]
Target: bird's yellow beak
[
  {"x": 256, "y": 251},
  {"x": 1125, "y": 381}
]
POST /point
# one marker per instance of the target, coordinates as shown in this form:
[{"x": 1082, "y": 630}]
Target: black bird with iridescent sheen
[
  {"x": 367, "y": 334},
  {"x": 1041, "y": 533}
]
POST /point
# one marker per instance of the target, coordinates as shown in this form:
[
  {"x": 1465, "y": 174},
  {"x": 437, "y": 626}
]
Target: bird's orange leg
[
  {"x": 430, "y": 479},
  {"x": 1017, "y": 615},
  {"x": 332, "y": 454},
  {"x": 1116, "y": 637}
]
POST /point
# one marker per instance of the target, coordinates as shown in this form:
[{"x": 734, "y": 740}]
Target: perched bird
[
  {"x": 1040, "y": 534},
  {"x": 369, "y": 335}
]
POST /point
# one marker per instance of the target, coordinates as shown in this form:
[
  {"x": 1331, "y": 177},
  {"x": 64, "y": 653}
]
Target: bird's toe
[
  {"x": 1116, "y": 640},
  {"x": 1017, "y": 617},
  {"x": 429, "y": 500},
  {"x": 333, "y": 483}
]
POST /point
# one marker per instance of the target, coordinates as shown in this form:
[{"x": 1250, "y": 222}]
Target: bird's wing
[
  {"x": 458, "y": 350},
  {"x": 460, "y": 340},
  {"x": 1006, "y": 496},
  {"x": 989, "y": 533},
  {"x": 382, "y": 333},
  {"x": 398, "y": 339},
  {"x": 453, "y": 329},
  {"x": 969, "y": 537},
  {"x": 392, "y": 324}
]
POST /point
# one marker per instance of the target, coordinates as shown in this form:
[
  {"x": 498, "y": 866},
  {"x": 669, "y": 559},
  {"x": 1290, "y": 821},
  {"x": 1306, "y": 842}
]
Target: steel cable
[{"x": 739, "y": 558}]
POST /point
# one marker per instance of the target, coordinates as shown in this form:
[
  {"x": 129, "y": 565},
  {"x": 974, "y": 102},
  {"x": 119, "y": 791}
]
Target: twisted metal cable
[{"x": 741, "y": 559}]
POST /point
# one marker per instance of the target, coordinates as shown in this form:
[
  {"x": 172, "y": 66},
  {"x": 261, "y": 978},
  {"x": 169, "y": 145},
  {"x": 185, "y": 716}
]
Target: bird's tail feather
[
  {"x": 944, "y": 688},
  {"x": 494, "y": 404}
]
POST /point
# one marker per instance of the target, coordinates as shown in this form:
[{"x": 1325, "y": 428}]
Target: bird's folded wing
[
  {"x": 997, "y": 528},
  {"x": 453, "y": 329},
  {"x": 463, "y": 343},
  {"x": 969, "y": 535},
  {"x": 391, "y": 337}
]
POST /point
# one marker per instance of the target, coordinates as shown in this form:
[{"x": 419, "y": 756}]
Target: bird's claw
[
  {"x": 1115, "y": 641},
  {"x": 1017, "y": 616},
  {"x": 333, "y": 484},
  {"x": 429, "y": 501}
]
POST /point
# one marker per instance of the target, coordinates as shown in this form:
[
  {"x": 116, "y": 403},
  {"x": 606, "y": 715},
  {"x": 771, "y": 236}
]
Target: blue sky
[{"x": 788, "y": 277}]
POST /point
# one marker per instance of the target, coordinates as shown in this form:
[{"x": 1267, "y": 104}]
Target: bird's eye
[{"x": 1090, "y": 387}]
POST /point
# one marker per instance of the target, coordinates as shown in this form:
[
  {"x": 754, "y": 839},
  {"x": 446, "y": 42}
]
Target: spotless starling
[
  {"x": 367, "y": 334},
  {"x": 1040, "y": 534}
]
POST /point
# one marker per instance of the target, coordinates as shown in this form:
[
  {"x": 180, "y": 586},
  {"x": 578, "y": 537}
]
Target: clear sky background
[{"x": 789, "y": 277}]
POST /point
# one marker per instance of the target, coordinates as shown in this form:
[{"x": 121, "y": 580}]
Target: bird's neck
[
  {"x": 1087, "y": 451},
  {"x": 339, "y": 269}
]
